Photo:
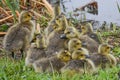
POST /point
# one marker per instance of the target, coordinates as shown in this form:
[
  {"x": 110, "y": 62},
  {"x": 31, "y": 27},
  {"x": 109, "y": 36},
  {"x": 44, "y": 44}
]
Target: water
[{"x": 107, "y": 9}]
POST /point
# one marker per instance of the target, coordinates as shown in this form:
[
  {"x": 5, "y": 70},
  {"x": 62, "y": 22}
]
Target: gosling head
[
  {"x": 80, "y": 55},
  {"x": 57, "y": 24},
  {"x": 104, "y": 49},
  {"x": 70, "y": 32},
  {"x": 86, "y": 28},
  {"x": 74, "y": 44},
  {"x": 64, "y": 55},
  {"x": 25, "y": 16},
  {"x": 40, "y": 41}
]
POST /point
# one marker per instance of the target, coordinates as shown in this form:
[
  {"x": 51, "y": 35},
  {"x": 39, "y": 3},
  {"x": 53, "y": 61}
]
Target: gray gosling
[
  {"x": 19, "y": 36},
  {"x": 52, "y": 64}
]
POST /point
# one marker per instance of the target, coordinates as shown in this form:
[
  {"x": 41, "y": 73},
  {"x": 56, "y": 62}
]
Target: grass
[
  {"x": 116, "y": 33},
  {"x": 15, "y": 70},
  {"x": 14, "y": 5},
  {"x": 118, "y": 6},
  {"x": 4, "y": 28}
]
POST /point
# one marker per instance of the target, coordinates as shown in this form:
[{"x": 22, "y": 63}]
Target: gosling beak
[
  {"x": 84, "y": 44},
  {"x": 63, "y": 36},
  {"x": 87, "y": 56},
  {"x": 79, "y": 49},
  {"x": 33, "y": 18}
]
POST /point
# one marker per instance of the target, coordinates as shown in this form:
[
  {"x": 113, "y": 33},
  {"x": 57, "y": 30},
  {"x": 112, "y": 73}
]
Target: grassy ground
[
  {"x": 11, "y": 70},
  {"x": 16, "y": 70}
]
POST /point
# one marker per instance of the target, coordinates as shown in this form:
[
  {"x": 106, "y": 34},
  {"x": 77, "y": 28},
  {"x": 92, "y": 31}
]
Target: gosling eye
[
  {"x": 79, "y": 49},
  {"x": 77, "y": 43},
  {"x": 82, "y": 28},
  {"x": 28, "y": 15},
  {"x": 68, "y": 32},
  {"x": 81, "y": 55},
  {"x": 66, "y": 55},
  {"x": 107, "y": 47}
]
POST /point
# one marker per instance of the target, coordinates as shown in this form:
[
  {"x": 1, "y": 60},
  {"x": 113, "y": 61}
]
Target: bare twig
[
  {"x": 17, "y": 12},
  {"x": 4, "y": 11},
  {"x": 48, "y": 6},
  {"x": 38, "y": 2},
  {"x": 38, "y": 28},
  {"x": 2, "y": 33},
  {"x": 3, "y": 1},
  {"x": 37, "y": 14},
  {"x": 6, "y": 18},
  {"x": 24, "y": 2},
  {"x": 23, "y": 7}
]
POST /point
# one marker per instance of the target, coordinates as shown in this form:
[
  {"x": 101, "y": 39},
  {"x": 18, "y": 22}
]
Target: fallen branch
[
  {"x": 2, "y": 33},
  {"x": 38, "y": 28},
  {"x": 3, "y": 2},
  {"x": 17, "y": 13},
  {"x": 6, "y": 18},
  {"x": 93, "y": 3},
  {"x": 37, "y": 14},
  {"x": 4, "y": 11},
  {"x": 38, "y": 2},
  {"x": 23, "y": 7},
  {"x": 48, "y": 6}
]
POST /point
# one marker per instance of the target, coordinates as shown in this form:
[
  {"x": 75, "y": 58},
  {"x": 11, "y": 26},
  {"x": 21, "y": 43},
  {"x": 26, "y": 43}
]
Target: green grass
[
  {"x": 15, "y": 70},
  {"x": 13, "y": 5},
  {"x": 110, "y": 33},
  {"x": 118, "y": 6},
  {"x": 116, "y": 50},
  {"x": 4, "y": 28}
]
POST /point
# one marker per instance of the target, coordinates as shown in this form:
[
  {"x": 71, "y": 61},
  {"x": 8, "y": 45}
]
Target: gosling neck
[
  {"x": 27, "y": 24},
  {"x": 91, "y": 64},
  {"x": 104, "y": 53},
  {"x": 57, "y": 10},
  {"x": 112, "y": 59}
]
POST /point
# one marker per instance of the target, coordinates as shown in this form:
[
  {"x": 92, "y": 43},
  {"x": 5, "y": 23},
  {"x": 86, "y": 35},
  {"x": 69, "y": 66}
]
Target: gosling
[
  {"x": 75, "y": 44},
  {"x": 52, "y": 64},
  {"x": 103, "y": 58},
  {"x": 71, "y": 32},
  {"x": 20, "y": 35},
  {"x": 54, "y": 42},
  {"x": 80, "y": 64},
  {"x": 36, "y": 51},
  {"x": 87, "y": 29}
]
